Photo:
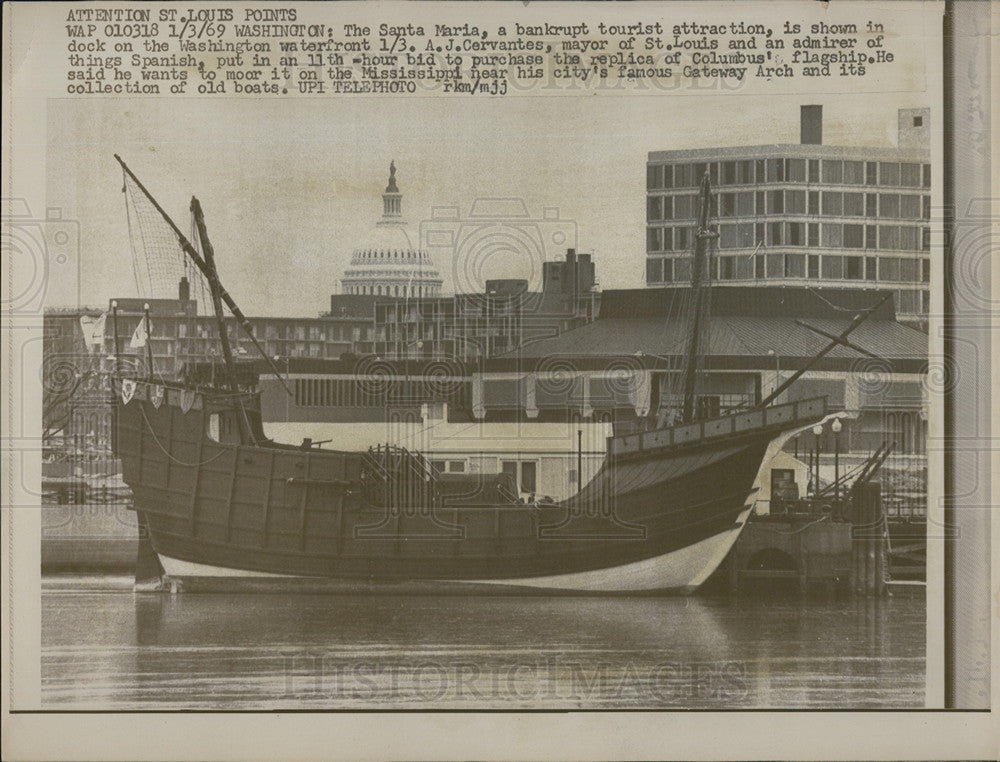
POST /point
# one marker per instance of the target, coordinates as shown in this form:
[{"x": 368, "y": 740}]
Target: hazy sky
[{"x": 291, "y": 187}]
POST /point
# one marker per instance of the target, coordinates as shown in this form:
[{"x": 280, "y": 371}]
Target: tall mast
[
  {"x": 207, "y": 272},
  {"x": 699, "y": 299},
  {"x": 215, "y": 288}
]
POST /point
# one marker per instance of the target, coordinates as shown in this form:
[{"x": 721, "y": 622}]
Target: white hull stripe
[{"x": 686, "y": 568}]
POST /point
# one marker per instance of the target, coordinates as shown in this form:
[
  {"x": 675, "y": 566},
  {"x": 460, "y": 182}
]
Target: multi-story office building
[{"x": 837, "y": 216}]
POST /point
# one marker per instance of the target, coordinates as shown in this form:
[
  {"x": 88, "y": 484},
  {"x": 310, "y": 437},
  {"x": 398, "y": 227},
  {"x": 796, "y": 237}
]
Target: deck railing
[{"x": 784, "y": 415}]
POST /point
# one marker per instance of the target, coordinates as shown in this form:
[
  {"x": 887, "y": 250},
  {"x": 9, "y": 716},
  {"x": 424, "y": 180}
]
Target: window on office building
[
  {"x": 682, "y": 269},
  {"x": 854, "y": 172},
  {"x": 870, "y": 268},
  {"x": 727, "y": 268},
  {"x": 775, "y": 233},
  {"x": 888, "y": 206},
  {"x": 654, "y": 177},
  {"x": 744, "y": 235},
  {"x": 888, "y": 173},
  {"x": 814, "y": 170},
  {"x": 871, "y": 173},
  {"x": 871, "y": 237},
  {"x": 667, "y": 239},
  {"x": 854, "y": 268},
  {"x": 795, "y": 265},
  {"x": 683, "y": 207},
  {"x": 745, "y": 173},
  {"x": 711, "y": 168},
  {"x": 909, "y": 207},
  {"x": 888, "y": 237},
  {"x": 654, "y": 208},
  {"x": 727, "y": 204},
  {"x": 654, "y": 239},
  {"x": 775, "y": 265},
  {"x": 888, "y": 268},
  {"x": 744, "y": 204},
  {"x": 666, "y": 207},
  {"x": 797, "y": 170},
  {"x": 813, "y": 265},
  {"x": 813, "y": 202},
  {"x": 925, "y": 271},
  {"x": 654, "y": 270},
  {"x": 833, "y": 171},
  {"x": 833, "y": 235},
  {"x": 833, "y": 267},
  {"x": 909, "y": 175},
  {"x": 908, "y": 301},
  {"x": 833, "y": 203},
  {"x": 813, "y": 234},
  {"x": 927, "y": 176},
  {"x": 759, "y": 203},
  {"x": 728, "y": 176},
  {"x": 758, "y": 266},
  {"x": 796, "y": 234},
  {"x": 668, "y": 271},
  {"x": 775, "y": 170},
  {"x": 744, "y": 267},
  {"x": 681, "y": 239},
  {"x": 795, "y": 202},
  {"x": 925, "y": 239},
  {"x": 775, "y": 202},
  {"x": 871, "y": 205},
  {"x": 727, "y": 237},
  {"x": 854, "y": 236},
  {"x": 908, "y": 270},
  {"x": 854, "y": 204},
  {"x": 909, "y": 238}
]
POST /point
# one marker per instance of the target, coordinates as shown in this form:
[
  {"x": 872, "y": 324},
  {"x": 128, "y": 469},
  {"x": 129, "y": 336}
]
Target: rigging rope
[{"x": 167, "y": 453}]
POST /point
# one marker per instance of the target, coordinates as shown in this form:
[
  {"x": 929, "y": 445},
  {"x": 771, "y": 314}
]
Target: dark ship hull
[{"x": 661, "y": 513}]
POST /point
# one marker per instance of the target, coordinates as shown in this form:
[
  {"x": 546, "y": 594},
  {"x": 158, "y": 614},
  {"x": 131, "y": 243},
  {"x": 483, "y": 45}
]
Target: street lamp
[
  {"x": 836, "y": 426},
  {"x": 817, "y": 432}
]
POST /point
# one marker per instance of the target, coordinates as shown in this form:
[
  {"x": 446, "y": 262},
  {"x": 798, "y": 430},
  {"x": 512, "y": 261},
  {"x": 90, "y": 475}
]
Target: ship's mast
[
  {"x": 209, "y": 273},
  {"x": 700, "y": 282}
]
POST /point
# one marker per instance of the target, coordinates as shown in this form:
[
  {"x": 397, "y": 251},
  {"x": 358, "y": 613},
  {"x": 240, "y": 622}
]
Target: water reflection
[{"x": 113, "y": 648}]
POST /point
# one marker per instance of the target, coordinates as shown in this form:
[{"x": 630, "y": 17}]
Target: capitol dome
[{"x": 391, "y": 264}]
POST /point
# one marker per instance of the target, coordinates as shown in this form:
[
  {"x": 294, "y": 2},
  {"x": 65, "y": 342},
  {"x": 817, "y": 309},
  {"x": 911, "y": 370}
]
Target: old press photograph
[{"x": 571, "y": 363}]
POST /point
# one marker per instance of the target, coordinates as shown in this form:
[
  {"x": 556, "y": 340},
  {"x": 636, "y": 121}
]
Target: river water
[{"x": 106, "y": 647}]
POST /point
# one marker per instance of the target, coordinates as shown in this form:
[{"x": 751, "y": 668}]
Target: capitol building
[{"x": 390, "y": 264}]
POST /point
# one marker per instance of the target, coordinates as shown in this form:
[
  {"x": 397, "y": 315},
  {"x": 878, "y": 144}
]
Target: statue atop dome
[
  {"x": 391, "y": 188},
  {"x": 390, "y": 262},
  {"x": 392, "y": 199}
]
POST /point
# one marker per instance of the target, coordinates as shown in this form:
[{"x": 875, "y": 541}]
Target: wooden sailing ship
[{"x": 221, "y": 501}]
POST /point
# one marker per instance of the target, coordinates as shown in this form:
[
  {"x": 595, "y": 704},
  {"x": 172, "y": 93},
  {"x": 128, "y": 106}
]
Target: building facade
[
  {"x": 390, "y": 264},
  {"x": 180, "y": 335},
  {"x": 469, "y": 326},
  {"x": 837, "y": 216}
]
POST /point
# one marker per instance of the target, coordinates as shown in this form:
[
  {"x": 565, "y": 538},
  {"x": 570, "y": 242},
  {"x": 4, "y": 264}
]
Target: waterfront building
[
  {"x": 180, "y": 335},
  {"x": 470, "y": 326},
  {"x": 838, "y": 216},
  {"x": 521, "y": 411}
]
